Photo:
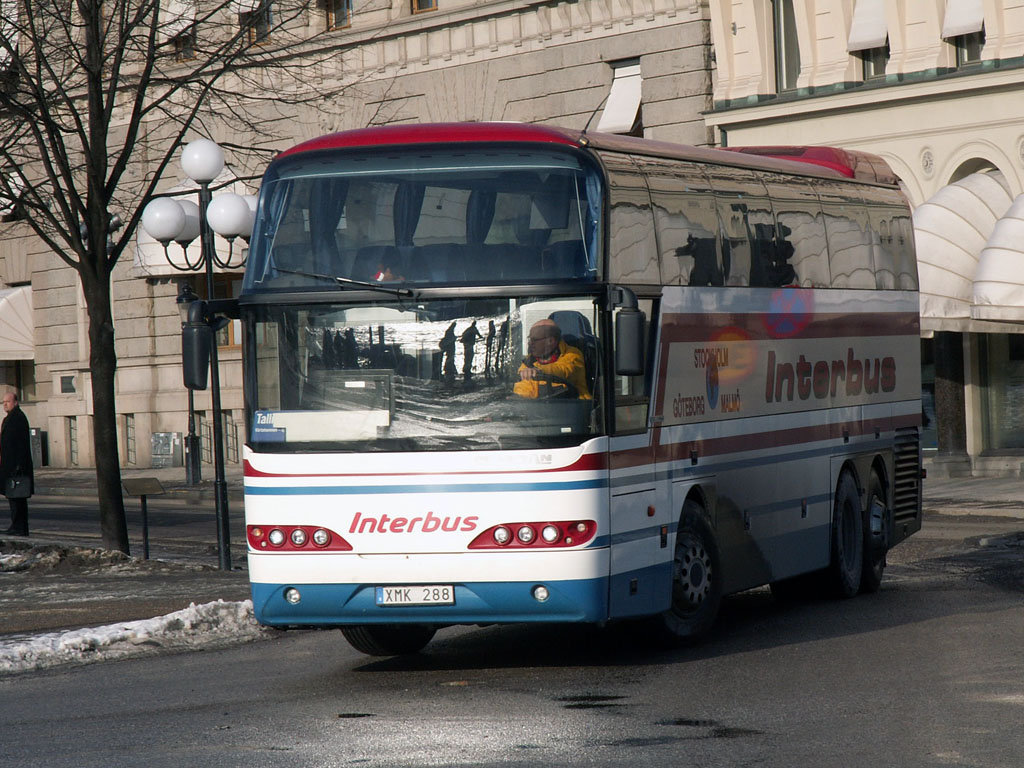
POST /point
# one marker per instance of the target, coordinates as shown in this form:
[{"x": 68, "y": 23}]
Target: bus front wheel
[
  {"x": 847, "y": 538},
  {"x": 389, "y": 639},
  {"x": 696, "y": 577}
]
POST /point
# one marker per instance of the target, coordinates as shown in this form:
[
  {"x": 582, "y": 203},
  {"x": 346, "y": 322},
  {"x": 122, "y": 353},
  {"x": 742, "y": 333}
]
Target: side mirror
[
  {"x": 629, "y": 332},
  {"x": 196, "y": 347},
  {"x": 629, "y": 342}
]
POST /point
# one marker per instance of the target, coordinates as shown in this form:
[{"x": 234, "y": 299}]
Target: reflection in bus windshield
[{"x": 437, "y": 376}]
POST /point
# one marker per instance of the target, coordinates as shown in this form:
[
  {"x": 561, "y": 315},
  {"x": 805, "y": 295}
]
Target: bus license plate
[{"x": 430, "y": 594}]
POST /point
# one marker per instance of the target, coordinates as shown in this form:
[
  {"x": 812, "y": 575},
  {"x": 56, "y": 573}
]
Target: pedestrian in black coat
[{"x": 15, "y": 459}]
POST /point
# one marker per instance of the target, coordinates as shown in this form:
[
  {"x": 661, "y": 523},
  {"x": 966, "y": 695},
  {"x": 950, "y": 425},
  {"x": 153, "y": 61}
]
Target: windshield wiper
[{"x": 399, "y": 293}]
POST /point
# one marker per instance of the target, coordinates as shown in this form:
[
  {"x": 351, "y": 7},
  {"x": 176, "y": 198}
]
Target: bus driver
[{"x": 553, "y": 368}]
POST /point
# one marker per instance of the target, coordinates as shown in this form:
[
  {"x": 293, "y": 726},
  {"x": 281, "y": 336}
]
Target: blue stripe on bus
[
  {"x": 580, "y": 600},
  {"x": 358, "y": 490}
]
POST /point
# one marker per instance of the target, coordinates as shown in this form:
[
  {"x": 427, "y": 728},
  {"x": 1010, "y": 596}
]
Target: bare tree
[{"x": 96, "y": 97}]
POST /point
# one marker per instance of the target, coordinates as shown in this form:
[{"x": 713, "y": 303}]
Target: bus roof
[{"x": 830, "y": 162}]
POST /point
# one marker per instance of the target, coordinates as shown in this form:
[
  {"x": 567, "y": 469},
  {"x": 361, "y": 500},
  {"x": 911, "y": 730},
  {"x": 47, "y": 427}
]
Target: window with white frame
[
  {"x": 869, "y": 37},
  {"x": 339, "y": 14},
  {"x": 963, "y": 26}
]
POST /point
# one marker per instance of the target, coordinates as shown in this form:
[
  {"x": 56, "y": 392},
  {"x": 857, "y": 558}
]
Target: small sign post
[{"x": 143, "y": 487}]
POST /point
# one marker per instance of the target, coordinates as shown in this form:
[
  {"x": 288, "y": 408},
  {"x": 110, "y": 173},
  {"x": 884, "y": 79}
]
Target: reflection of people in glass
[
  {"x": 350, "y": 350},
  {"x": 447, "y": 346},
  {"x": 489, "y": 355},
  {"x": 500, "y": 359},
  {"x": 468, "y": 339},
  {"x": 553, "y": 368}
]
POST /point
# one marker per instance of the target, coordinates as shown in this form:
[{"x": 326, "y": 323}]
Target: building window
[
  {"x": 339, "y": 14},
  {"x": 419, "y": 6},
  {"x": 968, "y": 48},
  {"x": 875, "y": 61},
  {"x": 129, "y": 439},
  {"x": 258, "y": 22},
  {"x": 787, "y": 46},
  {"x": 72, "y": 424},
  {"x": 1001, "y": 368},
  {"x": 185, "y": 45},
  {"x": 230, "y": 438}
]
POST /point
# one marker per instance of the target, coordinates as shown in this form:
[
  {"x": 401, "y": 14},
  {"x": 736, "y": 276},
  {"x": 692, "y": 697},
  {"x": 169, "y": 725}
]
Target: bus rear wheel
[
  {"x": 847, "y": 538},
  {"x": 389, "y": 639},
  {"x": 875, "y": 541},
  {"x": 696, "y": 578}
]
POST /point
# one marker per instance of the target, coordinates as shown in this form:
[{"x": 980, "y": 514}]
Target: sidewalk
[{"x": 55, "y": 481}]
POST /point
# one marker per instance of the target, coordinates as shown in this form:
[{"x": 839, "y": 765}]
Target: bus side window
[
  {"x": 850, "y": 258},
  {"x": 632, "y": 394},
  {"x": 748, "y": 226},
  {"x": 800, "y": 254},
  {"x": 686, "y": 221}
]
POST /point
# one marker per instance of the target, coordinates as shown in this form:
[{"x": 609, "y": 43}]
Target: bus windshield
[
  {"x": 423, "y": 376},
  {"x": 426, "y": 216}
]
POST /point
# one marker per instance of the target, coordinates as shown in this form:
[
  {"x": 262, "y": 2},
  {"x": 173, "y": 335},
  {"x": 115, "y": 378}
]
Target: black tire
[
  {"x": 389, "y": 639},
  {"x": 696, "y": 578},
  {"x": 847, "y": 539},
  {"x": 874, "y": 544}
]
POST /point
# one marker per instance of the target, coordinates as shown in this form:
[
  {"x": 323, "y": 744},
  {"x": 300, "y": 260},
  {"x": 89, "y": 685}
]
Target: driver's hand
[{"x": 527, "y": 374}]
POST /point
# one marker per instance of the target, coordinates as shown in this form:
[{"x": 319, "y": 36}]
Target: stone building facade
[{"x": 640, "y": 66}]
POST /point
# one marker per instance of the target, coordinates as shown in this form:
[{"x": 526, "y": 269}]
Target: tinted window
[
  {"x": 748, "y": 228},
  {"x": 686, "y": 220},
  {"x": 632, "y": 246},
  {"x": 800, "y": 249},
  {"x": 850, "y": 247}
]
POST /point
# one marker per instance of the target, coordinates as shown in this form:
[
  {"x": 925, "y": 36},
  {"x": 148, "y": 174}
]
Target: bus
[{"x": 746, "y": 411}]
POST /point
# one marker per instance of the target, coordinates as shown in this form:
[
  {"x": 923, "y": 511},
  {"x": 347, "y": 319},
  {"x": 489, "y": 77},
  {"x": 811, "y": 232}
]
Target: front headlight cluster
[
  {"x": 293, "y": 538},
  {"x": 571, "y": 533}
]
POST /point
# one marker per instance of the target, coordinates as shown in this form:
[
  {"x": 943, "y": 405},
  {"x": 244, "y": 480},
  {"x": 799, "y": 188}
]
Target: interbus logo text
[
  {"x": 428, "y": 524},
  {"x": 823, "y": 378}
]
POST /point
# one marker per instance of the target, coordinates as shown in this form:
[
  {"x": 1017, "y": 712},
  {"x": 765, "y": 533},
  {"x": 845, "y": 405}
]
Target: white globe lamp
[
  {"x": 163, "y": 219},
  {"x": 202, "y": 160},
  {"x": 230, "y": 216}
]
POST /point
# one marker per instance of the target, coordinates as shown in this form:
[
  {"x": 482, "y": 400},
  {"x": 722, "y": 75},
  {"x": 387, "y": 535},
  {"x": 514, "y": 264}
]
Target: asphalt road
[{"x": 929, "y": 672}]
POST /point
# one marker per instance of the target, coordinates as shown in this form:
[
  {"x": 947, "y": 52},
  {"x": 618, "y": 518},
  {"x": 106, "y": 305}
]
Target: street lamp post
[
  {"x": 166, "y": 220},
  {"x": 193, "y": 454}
]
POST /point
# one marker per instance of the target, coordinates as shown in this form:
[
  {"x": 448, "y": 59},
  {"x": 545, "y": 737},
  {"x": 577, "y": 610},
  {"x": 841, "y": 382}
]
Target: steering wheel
[{"x": 566, "y": 390}]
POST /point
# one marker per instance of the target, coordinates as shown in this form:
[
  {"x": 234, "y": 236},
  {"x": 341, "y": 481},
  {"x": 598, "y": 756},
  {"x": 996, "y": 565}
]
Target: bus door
[{"x": 640, "y": 517}]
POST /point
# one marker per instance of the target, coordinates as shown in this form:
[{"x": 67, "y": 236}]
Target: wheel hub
[{"x": 693, "y": 572}]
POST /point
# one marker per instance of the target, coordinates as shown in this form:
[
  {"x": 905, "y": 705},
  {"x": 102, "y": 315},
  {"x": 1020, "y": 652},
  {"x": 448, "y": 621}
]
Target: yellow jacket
[{"x": 568, "y": 365}]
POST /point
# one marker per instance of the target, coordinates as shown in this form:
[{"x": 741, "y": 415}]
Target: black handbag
[{"x": 18, "y": 487}]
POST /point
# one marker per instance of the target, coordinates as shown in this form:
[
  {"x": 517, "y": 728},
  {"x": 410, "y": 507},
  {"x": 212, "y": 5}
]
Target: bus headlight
[
  {"x": 502, "y": 535},
  {"x": 321, "y": 537},
  {"x": 541, "y": 594},
  {"x": 550, "y": 534},
  {"x": 292, "y": 595},
  {"x": 525, "y": 534},
  {"x": 298, "y": 537},
  {"x": 276, "y": 537}
]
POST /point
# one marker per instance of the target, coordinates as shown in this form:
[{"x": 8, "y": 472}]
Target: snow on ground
[
  {"x": 198, "y": 626},
  {"x": 49, "y": 568}
]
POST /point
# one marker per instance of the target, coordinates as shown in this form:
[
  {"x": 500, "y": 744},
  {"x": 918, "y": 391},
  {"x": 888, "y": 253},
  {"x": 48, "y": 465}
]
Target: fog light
[
  {"x": 298, "y": 537},
  {"x": 540, "y": 593},
  {"x": 549, "y": 534},
  {"x": 321, "y": 537},
  {"x": 292, "y": 595},
  {"x": 276, "y": 537},
  {"x": 525, "y": 534},
  {"x": 502, "y": 535}
]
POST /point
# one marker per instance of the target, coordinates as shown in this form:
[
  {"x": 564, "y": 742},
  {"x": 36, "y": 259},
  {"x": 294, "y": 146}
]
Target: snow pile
[{"x": 199, "y": 626}]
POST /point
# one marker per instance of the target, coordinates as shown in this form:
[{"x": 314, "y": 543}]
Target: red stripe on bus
[
  {"x": 764, "y": 326},
  {"x": 755, "y": 441},
  {"x": 586, "y": 462}
]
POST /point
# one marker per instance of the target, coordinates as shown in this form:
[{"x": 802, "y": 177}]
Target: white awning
[
  {"x": 963, "y": 17},
  {"x": 868, "y": 28},
  {"x": 17, "y": 327},
  {"x": 951, "y": 230},
  {"x": 999, "y": 282},
  {"x": 623, "y": 101}
]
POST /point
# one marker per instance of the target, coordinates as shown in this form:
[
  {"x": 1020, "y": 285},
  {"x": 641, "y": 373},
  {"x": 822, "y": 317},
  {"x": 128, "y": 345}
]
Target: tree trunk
[{"x": 103, "y": 361}]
